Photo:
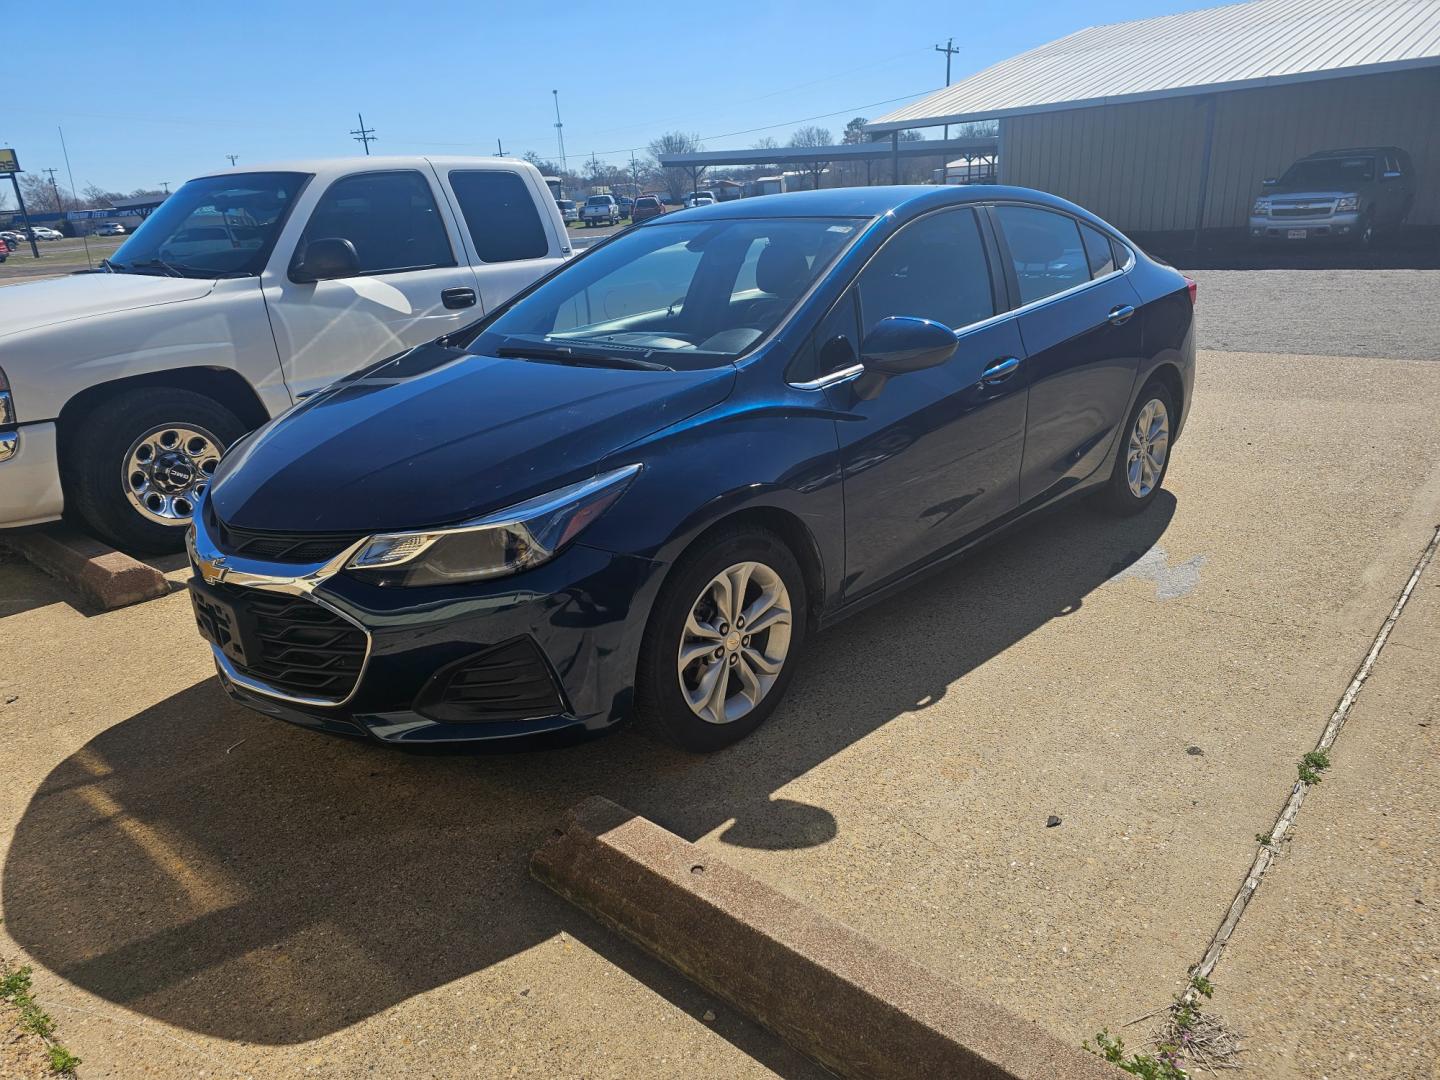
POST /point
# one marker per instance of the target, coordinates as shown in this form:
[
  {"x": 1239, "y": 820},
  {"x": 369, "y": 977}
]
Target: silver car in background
[{"x": 1347, "y": 195}]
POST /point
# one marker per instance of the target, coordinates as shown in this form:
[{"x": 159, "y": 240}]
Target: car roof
[
  {"x": 1352, "y": 151},
  {"x": 867, "y": 201}
]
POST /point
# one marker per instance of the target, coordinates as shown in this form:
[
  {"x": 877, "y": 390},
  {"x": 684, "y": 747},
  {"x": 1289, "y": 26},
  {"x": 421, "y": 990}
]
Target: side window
[
  {"x": 501, "y": 216},
  {"x": 390, "y": 217},
  {"x": 834, "y": 346},
  {"x": 1046, "y": 250},
  {"x": 1097, "y": 251},
  {"x": 934, "y": 268}
]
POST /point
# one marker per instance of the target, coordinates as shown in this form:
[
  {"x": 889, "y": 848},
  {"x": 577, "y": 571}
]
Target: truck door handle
[
  {"x": 1119, "y": 316},
  {"x": 999, "y": 371},
  {"x": 458, "y": 298}
]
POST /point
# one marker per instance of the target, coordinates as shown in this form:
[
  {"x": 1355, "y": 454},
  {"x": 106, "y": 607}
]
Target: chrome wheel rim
[
  {"x": 167, "y": 469},
  {"x": 735, "y": 642},
  {"x": 1149, "y": 445}
]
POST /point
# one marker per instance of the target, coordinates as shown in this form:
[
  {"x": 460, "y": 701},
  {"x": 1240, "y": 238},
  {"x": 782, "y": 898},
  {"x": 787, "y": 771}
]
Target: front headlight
[
  {"x": 505, "y": 542},
  {"x": 1347, "y": 202},
  {"x": 1261, "y": 207},
  {"x": 7, "y": 404}
]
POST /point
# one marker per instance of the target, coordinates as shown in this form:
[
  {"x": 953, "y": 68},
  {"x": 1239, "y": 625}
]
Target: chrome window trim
[
  {"x": 960, "y": 332},
  {"x": 215, "y": 567}
]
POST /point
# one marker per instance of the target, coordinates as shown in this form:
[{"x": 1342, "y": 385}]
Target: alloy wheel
[
  {"x": 167, "y": 469},
  {"x": 735, "y": 642},
  {"x": 1149, "y": 446}
]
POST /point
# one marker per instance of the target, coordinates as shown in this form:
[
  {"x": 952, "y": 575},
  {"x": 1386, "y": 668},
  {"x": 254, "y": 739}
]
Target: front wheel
[
  {"x": 141, "y": 461},
  {"x": 1143, "y": 456},
  {"x": 722, "y": 642}
]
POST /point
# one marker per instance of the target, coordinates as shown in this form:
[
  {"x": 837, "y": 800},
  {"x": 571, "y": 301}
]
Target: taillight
[{"x": 1192, "y": 287}]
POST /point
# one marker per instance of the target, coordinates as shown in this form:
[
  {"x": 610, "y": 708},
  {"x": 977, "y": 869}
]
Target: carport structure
[
  {"x": 1170, "y": 124},
  {"x": 891, "y": 148}
]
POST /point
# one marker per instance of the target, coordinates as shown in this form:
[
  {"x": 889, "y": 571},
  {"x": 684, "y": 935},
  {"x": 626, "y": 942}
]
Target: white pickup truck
[{"x": 242, "y": 292}]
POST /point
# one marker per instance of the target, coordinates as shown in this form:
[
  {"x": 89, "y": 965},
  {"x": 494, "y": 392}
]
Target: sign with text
[{"x": 8, "y": 161}]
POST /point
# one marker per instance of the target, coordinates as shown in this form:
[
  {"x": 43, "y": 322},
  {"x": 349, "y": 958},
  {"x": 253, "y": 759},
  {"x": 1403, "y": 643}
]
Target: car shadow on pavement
[{"x": 229, "y": 874}]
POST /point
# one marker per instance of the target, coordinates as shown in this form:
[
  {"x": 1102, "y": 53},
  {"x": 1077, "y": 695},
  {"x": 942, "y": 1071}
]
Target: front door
[
  {"x": 936, "y": 454},
  {"x": 411, "y": 287},
  {"x": 1079, "y": 317}
]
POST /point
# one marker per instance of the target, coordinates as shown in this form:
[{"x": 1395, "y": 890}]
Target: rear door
[
  {"x": 936, "y": 455},
  {"x": 1077, "y": 316},
  {"x": 411, "y": 288},
  {"x": 506, "y": 238}
]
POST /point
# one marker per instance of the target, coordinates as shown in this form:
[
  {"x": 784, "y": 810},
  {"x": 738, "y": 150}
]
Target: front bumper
[
  {"x": 580, "y": 617},
  {"x": 29, "y": 476},
  {"x": 1341, "y": 226}
]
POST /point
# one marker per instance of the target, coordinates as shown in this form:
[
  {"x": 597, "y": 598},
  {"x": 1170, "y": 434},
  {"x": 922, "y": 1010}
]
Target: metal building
[{"x": 1172, "y": 123}]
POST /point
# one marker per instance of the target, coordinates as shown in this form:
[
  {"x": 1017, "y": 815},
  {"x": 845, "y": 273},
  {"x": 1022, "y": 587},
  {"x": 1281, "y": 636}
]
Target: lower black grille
[
  {"x": 295, "y": 645},
  {"x": 277, "y": 546},
  {"x": 508, "y": 682}
]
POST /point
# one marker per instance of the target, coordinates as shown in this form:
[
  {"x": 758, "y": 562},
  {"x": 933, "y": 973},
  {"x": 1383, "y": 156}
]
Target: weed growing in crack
[
  {"x": 15, "y": 990},
  {"x": 1312, "y": 765},
  {"x": 1188, "y": 1034}
]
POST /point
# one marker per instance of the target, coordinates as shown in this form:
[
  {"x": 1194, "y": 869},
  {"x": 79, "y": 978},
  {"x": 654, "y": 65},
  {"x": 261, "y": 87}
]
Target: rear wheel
[
  {"x": 140, "y": 462},
  {"x": 1143, "y": 456},
  {"x": 722, "y": 641}
]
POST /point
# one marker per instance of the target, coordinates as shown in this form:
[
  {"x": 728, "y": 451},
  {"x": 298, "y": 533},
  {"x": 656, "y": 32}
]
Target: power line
[{"x": 364, "y": 135}]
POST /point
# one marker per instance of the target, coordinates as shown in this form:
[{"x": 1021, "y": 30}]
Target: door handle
[
  {"x": 999, "y": 371},
  {"x": 1119, "y": 316},
  {"x": 458, "y": 298}
]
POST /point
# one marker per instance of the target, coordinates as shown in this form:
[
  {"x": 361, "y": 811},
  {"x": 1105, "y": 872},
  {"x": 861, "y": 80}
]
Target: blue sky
[{"x": 165, "y": 91}]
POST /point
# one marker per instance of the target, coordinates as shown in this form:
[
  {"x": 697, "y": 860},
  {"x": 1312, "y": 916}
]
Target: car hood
[
  {"x": 443, "y": 437},
  {"x": 1293, "y": 191},
  {"x": 31, "y": 305}
]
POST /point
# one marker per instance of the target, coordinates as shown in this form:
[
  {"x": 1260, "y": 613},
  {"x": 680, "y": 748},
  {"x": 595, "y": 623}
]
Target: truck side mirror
[{"x": 324, "y": 259}]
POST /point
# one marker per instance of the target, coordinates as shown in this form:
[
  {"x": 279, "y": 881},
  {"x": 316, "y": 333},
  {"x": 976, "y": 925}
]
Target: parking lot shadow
[{"x": 234, "y": 876}]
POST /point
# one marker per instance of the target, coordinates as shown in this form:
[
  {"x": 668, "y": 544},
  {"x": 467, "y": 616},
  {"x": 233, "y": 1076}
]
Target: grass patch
[
  {"x": 1189, "y": 1035},
  {"x": 15, "y": 991}
]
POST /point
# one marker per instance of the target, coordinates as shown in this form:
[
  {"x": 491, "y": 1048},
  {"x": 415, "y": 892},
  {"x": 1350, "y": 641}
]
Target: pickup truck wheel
[{"x": 140, "y": 462}]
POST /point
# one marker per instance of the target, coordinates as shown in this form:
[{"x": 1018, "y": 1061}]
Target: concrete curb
[
  {"x": 108, "y": 578},
  {"x": 837, "y": 996}
]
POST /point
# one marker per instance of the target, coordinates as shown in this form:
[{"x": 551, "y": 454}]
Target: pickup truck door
[
  {"x": 513, "y": 231},
  {"x": 414, "y": 282}
]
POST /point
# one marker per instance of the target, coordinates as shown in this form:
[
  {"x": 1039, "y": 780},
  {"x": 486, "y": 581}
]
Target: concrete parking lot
[{"x": 200, "y": 888}]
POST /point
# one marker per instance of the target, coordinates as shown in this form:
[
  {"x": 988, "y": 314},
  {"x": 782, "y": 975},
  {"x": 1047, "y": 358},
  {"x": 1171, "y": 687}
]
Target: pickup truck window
[
  {"x": 390, "y": 217},
  {"x": 500, "y": 213},
  {"x": 212, "y": 227}
]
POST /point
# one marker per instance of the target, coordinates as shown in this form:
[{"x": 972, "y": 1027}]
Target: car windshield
[
  {"x": 217, "y": 226},
  {"x": 680, "y": 295},
  {"x": 1330, "y": 173},
  {"x": 565, "y": 204}
]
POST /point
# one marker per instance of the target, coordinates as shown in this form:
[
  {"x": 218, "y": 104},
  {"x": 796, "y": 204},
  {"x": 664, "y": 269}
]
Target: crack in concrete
[{"x": 1291, "y": 809}]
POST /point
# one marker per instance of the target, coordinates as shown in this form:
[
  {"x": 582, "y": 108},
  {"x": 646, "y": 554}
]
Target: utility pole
[
  {"x": 232, "y": 158},
  {"x": 59, "y": 203},
  {"x": 499, "y": 149},
  {"x": 634, "y": 176},
  {"x": 560, "y": 133},
  {"x": 364, "y": 135},
  {"x": 949, "y": 50},
  {"x": 166, "y": 185}
]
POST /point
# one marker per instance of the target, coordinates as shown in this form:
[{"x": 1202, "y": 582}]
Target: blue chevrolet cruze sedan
[{"x": 640, "y": 487}]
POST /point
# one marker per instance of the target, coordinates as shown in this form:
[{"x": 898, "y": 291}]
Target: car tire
[
  {"x": 113, "y": 461},
  {"x": 1139, "y": 470},
  {"x": 750, "y": 682},
  {"x": 1366, "y": 237}
]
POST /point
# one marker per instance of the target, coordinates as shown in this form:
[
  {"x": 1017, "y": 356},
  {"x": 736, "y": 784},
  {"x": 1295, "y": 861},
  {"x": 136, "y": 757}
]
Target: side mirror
[
  {"x": 1390, "y": 174},
  {"x": 898, "y": 345},
  {"x": 324, "y": 259},
  {"x": 1270, "y": 181}
]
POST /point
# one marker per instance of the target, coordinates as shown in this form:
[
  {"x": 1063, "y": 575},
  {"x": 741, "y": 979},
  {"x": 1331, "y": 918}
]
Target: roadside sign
[{"x": 8, "y": 161}]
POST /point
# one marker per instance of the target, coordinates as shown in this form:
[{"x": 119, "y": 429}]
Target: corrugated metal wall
[{"x": 1138, "y": 165}]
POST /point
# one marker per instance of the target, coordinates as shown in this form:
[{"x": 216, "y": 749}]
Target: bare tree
[
  {"x": 813, "y": 136},
  {"x": 675, "y": 142},
  {"x": 40, "y": 194}
]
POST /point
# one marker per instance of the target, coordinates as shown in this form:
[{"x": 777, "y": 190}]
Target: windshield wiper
[
  {"x": 567, "y": 355},
  {"x": 156, "y": 264}
]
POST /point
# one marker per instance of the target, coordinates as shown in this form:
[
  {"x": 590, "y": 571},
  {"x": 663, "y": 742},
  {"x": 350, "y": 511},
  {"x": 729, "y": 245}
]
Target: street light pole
[{"x": 560, "y": 133}]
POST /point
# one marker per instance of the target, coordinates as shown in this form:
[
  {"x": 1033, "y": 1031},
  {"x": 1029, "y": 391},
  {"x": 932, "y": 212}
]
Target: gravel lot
[{"x": 1381, "y": 313}]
